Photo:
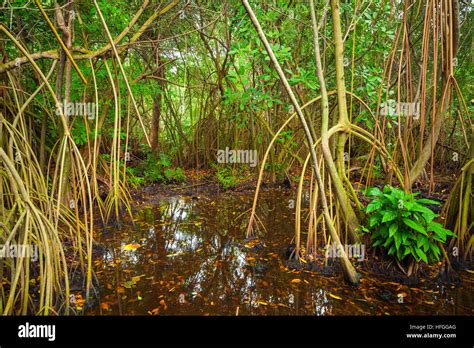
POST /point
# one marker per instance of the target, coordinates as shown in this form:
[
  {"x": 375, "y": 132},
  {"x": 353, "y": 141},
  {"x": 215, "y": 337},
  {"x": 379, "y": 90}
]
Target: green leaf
[
  {"x": 374, "y": 220},
  {"x": 439, "y": 230},
  {"x": 405, "y": 236},
  {"x": 408, "y": 205},
  {"x": 387, "y": 242},
  {"x": 377, "y": 243},
  {"x": 398, "y": 240},
  {"x": 392, "y": 229},
  {"x": 392, "y": 199},
  {"x": 389, "y": 215},
  {"x": 424, "y": 243},
  {"x": 374, "y": 205},
  {"x": 374, "y": 192},
  {"x": 435, "y": 249},
  {"x": 421, "y": 209},
  {"x": 398, "y": 194},
  {"x": 422, "y": 255},
  {"x": 427, "y": 201},
  {"x": 392, "y": 250},
  {"x": 414, "y": 225}
]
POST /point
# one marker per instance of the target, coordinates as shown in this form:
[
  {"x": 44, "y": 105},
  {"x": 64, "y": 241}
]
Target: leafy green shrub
[
  {"x": 135, "y": 181},
  {"x": 153, "y": 171},
  {"x": 403, "y": 225},
  {"x": 160, "y": 170},
  {"x": 225, "y": 177},
  {"x": 174, "y": 175},
  {"x": 132, "y": 179}
]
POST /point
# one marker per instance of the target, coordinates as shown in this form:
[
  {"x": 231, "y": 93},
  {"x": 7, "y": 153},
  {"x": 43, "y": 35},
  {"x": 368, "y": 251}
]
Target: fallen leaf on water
[
  {"x": 136, "y": 278},
  {"x": 132, "y": 246},
  {"x": 154, "y": 311},
  {"x": 336, "y": 297},
  {"x": 252, "y": 243},
  {"x": 163, "y": 303},
  {"x": 416, "y": 289},
  {"x": 105, "y": 305}
]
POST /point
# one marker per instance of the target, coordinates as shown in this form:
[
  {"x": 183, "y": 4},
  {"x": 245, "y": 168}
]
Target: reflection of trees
[
  {"x": 205, "y": 239},
  {"x": 218, "y": 275}
]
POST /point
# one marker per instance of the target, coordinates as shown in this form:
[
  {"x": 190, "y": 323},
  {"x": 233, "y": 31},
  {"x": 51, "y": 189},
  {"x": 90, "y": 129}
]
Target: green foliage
[
  {"x": 160, "y": 170},
  {"x": 79, "y": 133},
  {"x": 174, "y": 174},
  {"x": 225, "y": 177},
  {"x": 403, "y": 225},
  {"x": 132, "y": 178},
  {"x": 286, "y": 136}
]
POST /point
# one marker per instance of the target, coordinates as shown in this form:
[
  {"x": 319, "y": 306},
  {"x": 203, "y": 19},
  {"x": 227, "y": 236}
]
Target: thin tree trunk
[{"x": 349, "y": 272}]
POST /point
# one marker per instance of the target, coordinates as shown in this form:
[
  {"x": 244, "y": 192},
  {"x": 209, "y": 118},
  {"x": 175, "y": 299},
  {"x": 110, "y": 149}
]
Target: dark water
[{"x": 186, "y": 256}]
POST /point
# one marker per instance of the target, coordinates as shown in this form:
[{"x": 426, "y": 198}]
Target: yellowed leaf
[
  {"x": 136, "y": 279},
  {"x": 334, "y": 296},
  {"x": 132, "y": 246}
]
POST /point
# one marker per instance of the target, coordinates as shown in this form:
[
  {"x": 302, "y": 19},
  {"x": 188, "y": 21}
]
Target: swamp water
[{"x": 189, "y": 256}]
